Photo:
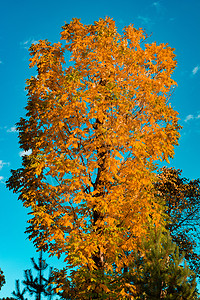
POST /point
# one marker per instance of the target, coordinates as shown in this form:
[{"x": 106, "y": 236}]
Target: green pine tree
[
  {"x": 181, "y": 197},
  {"x": 19, "y": 295},
  {"x": 160, "y": 272},
  {"x": 38, "y": 286}
]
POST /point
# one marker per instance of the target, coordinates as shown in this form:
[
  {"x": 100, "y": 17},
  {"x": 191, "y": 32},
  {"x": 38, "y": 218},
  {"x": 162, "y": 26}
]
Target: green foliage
[
  {"x": 182, "y": 206},
  {"x": 19, "y": 294},
  {"x": 159, "y": 271},
  {"x": 38, "y": 286}
]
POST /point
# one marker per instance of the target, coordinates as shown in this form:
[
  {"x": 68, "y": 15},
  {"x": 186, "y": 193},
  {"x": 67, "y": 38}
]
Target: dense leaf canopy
[{"x": 95, "y": 130}]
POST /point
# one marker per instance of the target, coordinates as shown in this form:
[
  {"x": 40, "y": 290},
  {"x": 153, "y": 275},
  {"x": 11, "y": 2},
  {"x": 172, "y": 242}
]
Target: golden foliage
[{"x": 96, "y": 129}]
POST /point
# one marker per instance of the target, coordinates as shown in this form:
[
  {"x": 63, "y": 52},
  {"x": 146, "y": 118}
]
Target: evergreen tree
[
  {"x": 38, "y": 286},
  {"x": 182, "y": 205},
  {"x": 160, "y": 271},
  {"x": 19, "y": 294}
]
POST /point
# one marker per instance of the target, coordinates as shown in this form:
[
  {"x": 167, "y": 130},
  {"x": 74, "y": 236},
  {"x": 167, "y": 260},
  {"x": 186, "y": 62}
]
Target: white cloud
[
  {"x": 195, "y": 70},
  {"x": 12, "y": 129},
  {"x": 26, "y": 44},
  {"x": 1, "y": 179},
  {"x": 157, "y": 5},
  {"x": 22, "y": 153},
  {"x": 144, "y": 20},
  {"x": 191, "y": 117},
  {"x": 2, "y": 163}
]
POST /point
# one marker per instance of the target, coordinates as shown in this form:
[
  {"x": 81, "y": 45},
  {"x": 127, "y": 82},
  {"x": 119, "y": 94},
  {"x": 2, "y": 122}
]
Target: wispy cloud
[
  {"x": 26, "y": 44},
  {"x": 160, "y": 9},
  {"x": 22, "y": 153},
  {"x": 157, "y": 5},
  {"x": 2, "y": 163},
  {"x": 12, "y": 129},
  {"x": 195, "y": 70},
  {"x": 191, "y": 117},
  {"x": 2, "y": 179},
  {"x": 146, "y": 21}
]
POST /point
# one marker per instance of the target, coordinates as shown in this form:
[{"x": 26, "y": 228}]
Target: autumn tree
[
  {"x": 95, "y": 129},
  {"x": 182, "y": 205}
]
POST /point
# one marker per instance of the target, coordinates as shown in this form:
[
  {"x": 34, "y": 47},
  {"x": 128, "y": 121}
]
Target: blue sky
[{"x": 176, "y": 22}]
